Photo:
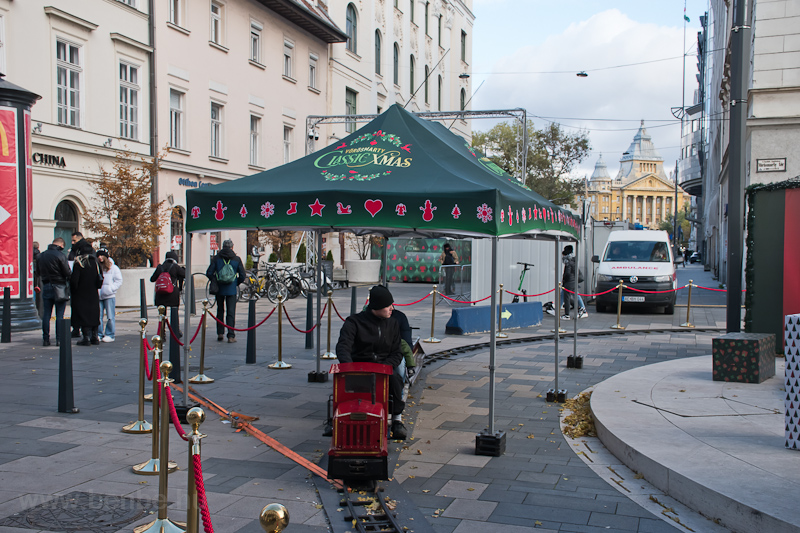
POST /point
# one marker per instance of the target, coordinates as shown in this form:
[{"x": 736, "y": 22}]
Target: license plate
[{"x": 633, "y": 298}]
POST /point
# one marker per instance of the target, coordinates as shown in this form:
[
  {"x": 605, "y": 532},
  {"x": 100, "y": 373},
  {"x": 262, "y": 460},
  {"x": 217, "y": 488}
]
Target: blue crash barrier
[{"x": 476, "y": 319}]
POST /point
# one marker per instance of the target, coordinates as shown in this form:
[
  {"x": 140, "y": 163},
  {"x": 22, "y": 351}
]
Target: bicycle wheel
[
  {"x": 294, "y": 286},
  {"x": 276, "y": 288},
  {"x": 247, "y": 291},
  {"x": 212, "y": 300}
]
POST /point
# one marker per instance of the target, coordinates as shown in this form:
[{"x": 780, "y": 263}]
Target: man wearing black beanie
[{"x": 371, "y": 337}]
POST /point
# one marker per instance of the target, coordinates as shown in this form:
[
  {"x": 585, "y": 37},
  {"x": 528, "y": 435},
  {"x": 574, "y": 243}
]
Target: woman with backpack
[
  {"x": 227, "y": 270},
  {"x": 169, "y": 277}
]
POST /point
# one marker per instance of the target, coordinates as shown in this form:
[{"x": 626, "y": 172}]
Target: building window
[
  {"x": 396, "y": 72},
  {"x": 350, "y": 109},
  {"x": 312, "y": 70},
  {"x": 288, "y": 54},
  {"x": 128, "y": 101},
  {"x": 176, "y": 12},
  {"x": 463, "y": 46},
  {"x": 217, "y": 13},
  {"x": 427, "y": 17},
  {"x": 216, "y": 130},
  {"x": 412, "y": 68},
  {"x": 175, "y": 118},
  {"x": 255, "y": 41},
  {"x": 68, "y": 75},
  {"x": 255, "y": 139},
  {"x": 411, "y": 9},
  {"x": 439, "y": 29},
  {"x": 427, "y": 75},
  {"x": 287, "y": 144},
  {"x": 131, "y": 3},
  {"x": 378, "y": 55},
  {"x": 463, "y": 99},
  {"x": 351, "y": 29},
  {"x": 439, "y": 95}
]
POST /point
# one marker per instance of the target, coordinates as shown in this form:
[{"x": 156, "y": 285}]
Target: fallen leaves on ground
[{"x": 580, "y": 422}]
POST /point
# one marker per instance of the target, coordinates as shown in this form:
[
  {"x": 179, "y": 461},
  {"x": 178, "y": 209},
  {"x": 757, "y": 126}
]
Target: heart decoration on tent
[{"x": 373, "y": 206}]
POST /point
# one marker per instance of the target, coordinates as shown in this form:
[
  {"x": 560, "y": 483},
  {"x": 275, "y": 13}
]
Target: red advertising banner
[
  {"x": 9, "y": 202},
  {"x": 29, "y": 202}
]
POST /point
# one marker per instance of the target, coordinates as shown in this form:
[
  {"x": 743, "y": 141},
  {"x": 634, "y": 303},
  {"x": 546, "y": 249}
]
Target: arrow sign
[
  {"x": 505, "y": 314},
  {"x": 4, "y": 215}
]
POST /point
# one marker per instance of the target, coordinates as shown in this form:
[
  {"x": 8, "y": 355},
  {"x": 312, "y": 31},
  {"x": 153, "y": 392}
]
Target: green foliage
[
  {"x": 273, "y": 258},
  {"x": 301, "y": 253},
  {"x": 286, "y": 254},
  {"x": 669, "y": 225},
  {"x": 552, "y": 156},
  {"x": 329, "y": 256},
  {"x": 248, "y": 264}
]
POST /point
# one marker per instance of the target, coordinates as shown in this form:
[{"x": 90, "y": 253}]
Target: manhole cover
[{"x": 82, "y": 511}]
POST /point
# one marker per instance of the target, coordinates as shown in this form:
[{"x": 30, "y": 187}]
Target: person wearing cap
[
  {"x": 112, "y": 281},
  {"x": 568, "y": 282},
  {"x": 228, "y": 292},
  {"x": 371, "y": 336}
]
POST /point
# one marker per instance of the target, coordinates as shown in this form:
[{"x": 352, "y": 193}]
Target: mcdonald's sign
[{"x": 9, "y": 202}]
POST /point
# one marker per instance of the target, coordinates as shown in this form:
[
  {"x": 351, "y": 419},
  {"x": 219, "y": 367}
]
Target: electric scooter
[{"x": 525, "y": 268}]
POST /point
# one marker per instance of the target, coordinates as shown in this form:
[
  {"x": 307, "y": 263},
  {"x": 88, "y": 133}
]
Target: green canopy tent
[{"x": 397, "y": 175}]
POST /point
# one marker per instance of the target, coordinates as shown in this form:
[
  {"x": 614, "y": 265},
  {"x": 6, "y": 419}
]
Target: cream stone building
[{"x": 641, "y": 192}]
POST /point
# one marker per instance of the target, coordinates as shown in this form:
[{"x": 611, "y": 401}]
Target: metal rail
[{"x": 368, "y": 517}]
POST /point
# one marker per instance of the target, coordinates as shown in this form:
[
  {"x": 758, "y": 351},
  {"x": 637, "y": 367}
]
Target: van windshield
[{"x": 640, "y": 251}]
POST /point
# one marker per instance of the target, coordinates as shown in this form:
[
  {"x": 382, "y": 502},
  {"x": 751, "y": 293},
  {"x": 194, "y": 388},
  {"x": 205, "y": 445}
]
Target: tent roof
[{"x": 397, "y": 175}]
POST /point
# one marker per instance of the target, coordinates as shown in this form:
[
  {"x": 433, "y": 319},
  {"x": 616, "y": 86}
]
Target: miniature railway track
[{"x": 370, "y": 513}]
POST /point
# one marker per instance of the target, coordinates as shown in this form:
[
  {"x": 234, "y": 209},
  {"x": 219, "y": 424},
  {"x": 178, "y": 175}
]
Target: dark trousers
[
  {"x": 396, "y": 394},
  {"x": 449, "y": 280},
  {"x": 90, "y": 332},
  {"x": 229, "y": 303},
  {"x": 47, "y": 311}
]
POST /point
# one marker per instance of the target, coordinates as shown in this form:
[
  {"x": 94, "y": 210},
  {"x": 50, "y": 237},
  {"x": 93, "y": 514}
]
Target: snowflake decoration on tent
[
  {"x": 484, "y": 213},
  {"x": 267, "y": 210}
]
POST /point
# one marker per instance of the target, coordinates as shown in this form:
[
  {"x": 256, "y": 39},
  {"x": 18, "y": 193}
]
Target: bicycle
[
  {"x": 267, "y": 284},
  {"x": 525, "y": 268}
]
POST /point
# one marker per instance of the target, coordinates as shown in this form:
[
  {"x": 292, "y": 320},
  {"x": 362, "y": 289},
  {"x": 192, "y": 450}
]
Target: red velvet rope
[
  {"x": 412, "y": 303},
  {"x": 462, "y": 301},
  {"x": 715, "y": 290},
  {"x": 591, "y": 294},
  {"x": 221, "y": 323},
  {"x": 203, "y": 324},
  {"x": 202, "y": 503},
  {"x": 148, "y": 372},
  {"x": 528, "y": 295},
  {"x": 337, "y": 311},
  {"x": 653, "y": 292},
  {"x": 169, "y": 326},
  {"x": 302, "y": 330},
  {"x": 173, "y": 416}
]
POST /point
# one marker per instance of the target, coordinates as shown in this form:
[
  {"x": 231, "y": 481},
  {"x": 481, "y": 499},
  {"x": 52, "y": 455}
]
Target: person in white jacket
[{"x": 112, "y": 280}]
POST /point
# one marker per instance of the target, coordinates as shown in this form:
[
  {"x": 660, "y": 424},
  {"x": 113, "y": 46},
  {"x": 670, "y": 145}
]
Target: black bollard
[
  {"x": 309, "y": 321},
  {"x": 174, "y": 347},
  {"x": 353, "y": 301},
  {"x": 250, "y": 357},
  {"x": 142, "y": 300},
  {"x": 190, "y": 294},
  {"x": 66, "y": 397},
  {"x": 5, "y": 336}
]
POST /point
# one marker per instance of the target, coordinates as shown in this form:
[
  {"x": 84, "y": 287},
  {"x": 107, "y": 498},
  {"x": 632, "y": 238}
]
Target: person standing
[
  {"x": 86, "y": 278},
  {"x": 372, "y": 337},
  {"x": 568, "y": 282},
  {"x": 75, "y": 237},
  {"x": 228, "y": 270},
  {"x": 54, "y": 271},
  {"x": 112, "y": 281},
  {"x": 449, "y": 259},
  {"x": 172, "y": 296}
]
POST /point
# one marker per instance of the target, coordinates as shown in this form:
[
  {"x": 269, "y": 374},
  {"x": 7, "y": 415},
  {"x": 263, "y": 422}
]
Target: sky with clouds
[{"x": 526, "y": 53}]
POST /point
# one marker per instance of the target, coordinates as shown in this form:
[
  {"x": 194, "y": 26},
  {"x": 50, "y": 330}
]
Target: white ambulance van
[{"x": 643, "y": 260}]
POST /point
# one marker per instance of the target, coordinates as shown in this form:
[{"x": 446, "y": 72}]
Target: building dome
[
  {"x": 600, "y": 170},
  {"x": 642, "y": 148}
]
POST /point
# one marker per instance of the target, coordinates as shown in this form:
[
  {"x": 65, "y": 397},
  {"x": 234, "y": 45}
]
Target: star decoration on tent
[{"x": 316, "y": 208}]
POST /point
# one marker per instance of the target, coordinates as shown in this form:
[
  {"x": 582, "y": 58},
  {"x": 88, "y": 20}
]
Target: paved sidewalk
[{"x": 540, "y": 483}]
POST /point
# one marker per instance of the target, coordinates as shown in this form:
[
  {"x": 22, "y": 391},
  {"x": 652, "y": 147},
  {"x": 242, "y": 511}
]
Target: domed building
[{"x": 640, "y": 193}]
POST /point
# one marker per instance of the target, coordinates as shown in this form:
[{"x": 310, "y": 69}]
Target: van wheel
[
  {"x": 599, "y": 308},
  {"x": 670, "y": 309}
]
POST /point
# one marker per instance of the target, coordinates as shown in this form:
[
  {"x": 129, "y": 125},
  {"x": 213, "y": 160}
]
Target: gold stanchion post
[
  {"x": 328, "y": 354},
  {"x": 163, "y": 524},
  {"x": 151, "y": 467},
  {"x": 433, "y": 318},
  {"x": 274, "y": 518},
  {"x": 195, "y": 417},
  {"x": 688, "y": 324},
  {"x": 500, "y": 334},
  {"x": 279, "y": 364},
  {"x": 141, "y": 425},
  {"x": 201, "y": 377},
  {"x": 619, "y": 308}
]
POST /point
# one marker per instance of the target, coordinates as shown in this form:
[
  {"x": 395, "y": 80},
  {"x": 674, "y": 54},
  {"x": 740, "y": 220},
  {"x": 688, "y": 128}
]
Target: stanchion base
[
  {"x": 161, "y": 526},
  {"x": 317, "y": 377},
  {"x": 617, "y": 326},
  {"x": 328, "y": 355},
  {"x": 148, "y": 397},
  {"x": 200, "y": 379},
  {"x": 687, "y": 325},
  {"x": 501, "y": 335},
  {"x": 280, "y": 365},
  {"x": 575, "y": 361},
  {"x": 556, "y": 396},
  {"x": 140, "y": 426},
  {"x": 151, "y": 467},
  {"x": 491, "y": 444},
  {"x": 432, "y": 339}
]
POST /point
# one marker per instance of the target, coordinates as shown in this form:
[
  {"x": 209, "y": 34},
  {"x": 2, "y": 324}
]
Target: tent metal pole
[
  {"x": 319, "y": 295},
  {"x": 558, "y": 309},
  {"x": 575, "y": 299},
  {"x": 492, "y": 335},
  {"x": 384, "y": 279},
  {"x": 188, "y": 293}
]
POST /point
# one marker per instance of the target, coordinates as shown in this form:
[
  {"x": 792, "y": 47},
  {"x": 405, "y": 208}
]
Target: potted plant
[{"x": 363, "y": 269}]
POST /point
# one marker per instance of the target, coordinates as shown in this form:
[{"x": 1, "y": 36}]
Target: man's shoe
[
  {"x": 76, "y": 334},
  {"x": 582, "y": 313},
  {"x": 108, "y": 339},
  {"x": 83, "y": 342},
  {"x": 95, "y": 340},
  {"x": 566, "y": 317},
  {"x": 231, "y": 339},
  {"x": 46, "y": 342},
  {"x": 398, "y": 431},
  {"x": 220, "y": 337}
]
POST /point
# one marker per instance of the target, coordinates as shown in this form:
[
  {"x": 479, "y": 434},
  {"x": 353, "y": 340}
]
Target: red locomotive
[{"x": 360, "y": 419}]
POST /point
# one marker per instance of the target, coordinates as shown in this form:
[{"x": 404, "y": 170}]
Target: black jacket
[
  {"x": 568, "y": 278},
  {"x": 177, "y": 273},
  {"x": 52, "y": 266},
  {"x": 365, "y": 335}
]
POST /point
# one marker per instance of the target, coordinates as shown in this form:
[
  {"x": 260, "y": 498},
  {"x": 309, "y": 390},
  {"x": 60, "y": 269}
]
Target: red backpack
[{"x": 164, "y": 284}]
